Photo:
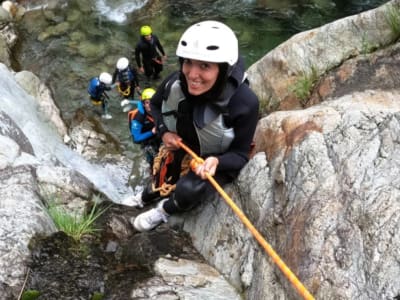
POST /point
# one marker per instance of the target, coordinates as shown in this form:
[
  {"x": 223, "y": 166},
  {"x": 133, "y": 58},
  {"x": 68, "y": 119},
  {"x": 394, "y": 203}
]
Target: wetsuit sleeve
[
  {"x": 156, "y": 105},
  {"x": 102, "y": 90},
  {"x": 114, "y": 76},
  {"x": 137, "y": 55},
  {"x": 135, "y": 76},
  {"x": 159, "y": 46},
  {"x": 137, "y": 134},
  {"x": 243, "y": 110}
]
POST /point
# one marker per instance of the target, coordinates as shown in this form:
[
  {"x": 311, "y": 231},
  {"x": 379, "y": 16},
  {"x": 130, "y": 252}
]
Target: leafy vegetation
[
  {"x": 303, "y": 86},
  {"x": 392, "y": 15},
  {"x": 73, "y": 224},
  {"x": 30, "y": 295}
]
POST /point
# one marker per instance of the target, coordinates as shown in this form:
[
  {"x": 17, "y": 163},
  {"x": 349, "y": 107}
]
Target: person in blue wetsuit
[
  {"x": 142, "y": 127},
  {"x": 97, "y": 92},
  {"x": 208, "y": 106}
]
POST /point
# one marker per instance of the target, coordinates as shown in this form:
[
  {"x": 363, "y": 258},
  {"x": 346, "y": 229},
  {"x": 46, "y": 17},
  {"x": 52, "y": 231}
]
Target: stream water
[{"x": 67, "y": 42}]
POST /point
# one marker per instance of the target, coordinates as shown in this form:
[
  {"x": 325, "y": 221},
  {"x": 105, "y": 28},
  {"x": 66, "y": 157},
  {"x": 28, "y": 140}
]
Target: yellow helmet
[
  {"x": 145, "y": 30},
  {"x": 147, "y": 94}
]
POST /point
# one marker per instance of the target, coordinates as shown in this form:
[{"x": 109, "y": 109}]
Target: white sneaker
[
  {"x": 127, "y": 108},
  {"x": 106, "y": 116},
  {"x": 125, "y": 102},
  {"x": 151, "y": 219}
]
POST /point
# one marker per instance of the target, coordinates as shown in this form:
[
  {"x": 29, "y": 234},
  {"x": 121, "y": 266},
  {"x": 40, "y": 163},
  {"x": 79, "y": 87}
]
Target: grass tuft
[
  {"x": 72, "y": 224},
  {"x": 304, "y": 85},
  {"x": 392, "y": 15}
]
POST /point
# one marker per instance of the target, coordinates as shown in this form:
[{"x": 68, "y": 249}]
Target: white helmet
[
  {"x": 122, "y": 63},
  {"x": 210, "y": 41},
  {"x": 105, "y": 78}
]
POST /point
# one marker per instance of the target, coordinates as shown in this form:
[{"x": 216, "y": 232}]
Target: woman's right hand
[{"x": 171, "y": 140}]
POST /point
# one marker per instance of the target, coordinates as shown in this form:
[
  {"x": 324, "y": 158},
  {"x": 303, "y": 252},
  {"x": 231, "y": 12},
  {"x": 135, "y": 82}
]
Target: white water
[
  {"x": 47, "y": 144},
  {"x": 116, "y": 11}
]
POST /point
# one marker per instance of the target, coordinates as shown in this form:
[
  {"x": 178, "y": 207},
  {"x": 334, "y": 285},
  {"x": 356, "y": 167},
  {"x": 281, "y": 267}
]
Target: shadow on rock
[{"x": 109, "y": 264}]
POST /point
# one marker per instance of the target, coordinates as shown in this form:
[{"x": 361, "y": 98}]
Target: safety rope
[{"x": 301, "y": 289}]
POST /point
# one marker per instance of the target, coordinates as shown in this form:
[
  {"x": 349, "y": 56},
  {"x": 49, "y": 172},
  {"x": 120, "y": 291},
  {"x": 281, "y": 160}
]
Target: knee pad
[
  {"x": 190, "y": 190},
  {"x": 149, "y": 196}
]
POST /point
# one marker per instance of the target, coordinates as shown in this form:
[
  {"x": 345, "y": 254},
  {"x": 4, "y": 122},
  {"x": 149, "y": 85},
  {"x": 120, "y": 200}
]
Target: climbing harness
[
  {"x": 301, "y": 289},
  {"x": 125, "y": 92},
  {"x": 161, "y": 183}
]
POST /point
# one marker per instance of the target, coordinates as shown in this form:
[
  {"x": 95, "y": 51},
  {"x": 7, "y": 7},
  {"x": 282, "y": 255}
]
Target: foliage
[
  {"x": 392, "y": 15},
  {"x": 97, "y": 296},
  {"x": 303, "y": 86},
  {"x": 30, "y": 295},
  {"x": 72, "y": 224}
]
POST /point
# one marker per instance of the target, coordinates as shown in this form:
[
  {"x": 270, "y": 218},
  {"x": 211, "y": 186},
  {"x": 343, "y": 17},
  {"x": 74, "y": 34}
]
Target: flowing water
[{"x": 67, "y": 42}]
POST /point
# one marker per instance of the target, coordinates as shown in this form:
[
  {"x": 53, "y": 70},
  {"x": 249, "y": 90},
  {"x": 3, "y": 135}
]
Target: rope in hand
[{"x": 301, "y": 289}]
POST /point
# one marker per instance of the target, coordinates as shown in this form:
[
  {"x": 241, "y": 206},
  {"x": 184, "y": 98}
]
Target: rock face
[
  {"x": 323, "y": 187},
  {"x": 310, "y": 54}
]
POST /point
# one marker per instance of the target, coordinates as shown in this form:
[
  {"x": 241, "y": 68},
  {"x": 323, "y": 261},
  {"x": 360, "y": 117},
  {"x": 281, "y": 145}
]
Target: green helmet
[
  {"x": 145, "y": 30},
  {"x": 147, "y": 94}
]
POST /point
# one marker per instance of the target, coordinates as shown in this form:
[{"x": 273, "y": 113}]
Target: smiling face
[{"x": 200, "y": 75}]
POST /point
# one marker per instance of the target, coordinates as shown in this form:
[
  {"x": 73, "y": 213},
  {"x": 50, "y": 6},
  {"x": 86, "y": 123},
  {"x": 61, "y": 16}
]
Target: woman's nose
[{"x": 193, "y": 71}]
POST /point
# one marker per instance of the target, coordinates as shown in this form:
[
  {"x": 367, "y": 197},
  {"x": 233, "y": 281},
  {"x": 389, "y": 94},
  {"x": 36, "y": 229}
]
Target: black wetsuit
[
  {"x": 147, "y": 55},
  {"x": 240, "y": 111},
  {"x": 127, "y": 78}
]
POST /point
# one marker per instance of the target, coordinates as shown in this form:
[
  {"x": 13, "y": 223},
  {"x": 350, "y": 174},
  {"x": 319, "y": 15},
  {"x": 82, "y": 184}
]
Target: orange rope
[{"x": 271, "y": 252}]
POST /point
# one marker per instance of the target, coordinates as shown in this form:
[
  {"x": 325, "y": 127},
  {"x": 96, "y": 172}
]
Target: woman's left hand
[{"x": 208, "y": 167}]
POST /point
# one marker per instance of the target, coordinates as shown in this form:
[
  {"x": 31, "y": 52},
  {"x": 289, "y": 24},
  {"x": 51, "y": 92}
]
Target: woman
[{"x": 208, "y": 106}]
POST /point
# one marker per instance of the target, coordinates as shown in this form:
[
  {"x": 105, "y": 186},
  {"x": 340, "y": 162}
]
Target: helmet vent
[
  {"x": 183, "y": 43},
  {"x": 213, "y": 47}
]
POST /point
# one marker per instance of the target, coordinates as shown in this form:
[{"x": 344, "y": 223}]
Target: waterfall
[
  {"x": 48, "y": 145},
  {"x": 116, "y": 10}
]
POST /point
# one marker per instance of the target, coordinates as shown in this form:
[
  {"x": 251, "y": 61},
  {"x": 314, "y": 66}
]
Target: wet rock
[{"x": 161, "y": 262}]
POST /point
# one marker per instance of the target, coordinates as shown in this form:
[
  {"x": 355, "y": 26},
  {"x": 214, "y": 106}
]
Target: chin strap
[{"x": 301, "y": 289}]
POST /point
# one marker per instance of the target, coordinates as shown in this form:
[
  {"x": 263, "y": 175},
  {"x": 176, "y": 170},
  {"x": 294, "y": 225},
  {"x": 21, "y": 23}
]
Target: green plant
[
  {"x": 392, "y": 15},
  {"x": 30, "y": 295},
  {"x": 72, "y": 224},
  {"x": 303, "y": 86},
  {"x": 97, "y": 296},
  {"x": 366, "y": 45}
]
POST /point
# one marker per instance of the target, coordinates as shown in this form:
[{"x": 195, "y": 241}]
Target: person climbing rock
[{"x": 209, "y": 106}]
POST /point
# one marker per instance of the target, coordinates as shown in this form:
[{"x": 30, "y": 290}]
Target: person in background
[
  {"x": 97, "y": 92},
  {"x": 125, "y": 76},
  {"x": 208, "y": 106},
  {"x": 142, "y": 127},
  {"x": 149, "y": 53}
]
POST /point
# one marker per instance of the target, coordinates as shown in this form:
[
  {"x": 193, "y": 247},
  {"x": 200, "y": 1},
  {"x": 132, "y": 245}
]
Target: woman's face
[{"x": 200, "y": 75}]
